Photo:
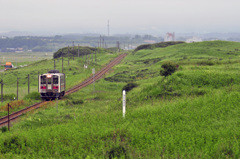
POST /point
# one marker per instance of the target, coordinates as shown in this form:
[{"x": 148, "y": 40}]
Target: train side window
[
  {"x": 55, "y": 80},
  {"x": 43, "y": 79}
]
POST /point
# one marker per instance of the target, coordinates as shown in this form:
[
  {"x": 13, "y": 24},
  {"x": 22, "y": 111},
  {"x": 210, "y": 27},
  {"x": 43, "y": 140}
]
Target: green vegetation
[
  {"x": 82, "y": 50},
  {"x": 157, "y": 45},
  {"x": 168, "y": 68},
  {"x": 192, "y": 114}
]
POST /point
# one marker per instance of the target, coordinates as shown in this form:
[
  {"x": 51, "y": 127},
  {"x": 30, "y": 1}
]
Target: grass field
[
  {"x": 22, "y": 58},
  {"x": 194, "y": 113}
]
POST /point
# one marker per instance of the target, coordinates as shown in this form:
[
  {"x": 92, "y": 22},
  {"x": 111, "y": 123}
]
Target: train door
[
  {"x": 56, "y": 83},
  {"x": 49, "y": 82}
]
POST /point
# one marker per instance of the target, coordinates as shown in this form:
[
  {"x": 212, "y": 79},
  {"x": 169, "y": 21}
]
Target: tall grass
[{"x": 193, "y": 113}]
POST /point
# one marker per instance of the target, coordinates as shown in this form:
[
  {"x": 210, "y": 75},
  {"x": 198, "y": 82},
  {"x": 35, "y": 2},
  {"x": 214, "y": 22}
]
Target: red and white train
[{"x": 52, "y": 85}]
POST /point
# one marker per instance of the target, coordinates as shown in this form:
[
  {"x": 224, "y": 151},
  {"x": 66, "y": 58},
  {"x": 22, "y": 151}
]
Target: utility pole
[
  {"x": 89, "y": 58},
  {"x": 1, "y": 90},
  {"x": 103, "y": 42},
  {"x": 54, "y": 64},
  {"x": 68, "y": 55},
  {"x": 92, "y": 57},
  {"x": 9, "y": 117},
  {"x": 108, "y": 27},
  {"x": 28, "y": 84},
  {"x": 17, "y": 88},
  {"x": 38, "y": 81},
  {"x": 118, "y": 46},
  {"x": 73, "y": 50},
  {"x": 78, "y": 50},
  {"x": 62, "y": 62},
  {"x": 95, "y": 54}
]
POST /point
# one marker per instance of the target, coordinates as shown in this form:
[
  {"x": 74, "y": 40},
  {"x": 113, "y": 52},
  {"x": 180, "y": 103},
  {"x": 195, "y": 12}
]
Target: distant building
[
  {"x": 3, "y": 37},
  {"x": 193, "y": 39},
  {"x": 169, "y": 37}
]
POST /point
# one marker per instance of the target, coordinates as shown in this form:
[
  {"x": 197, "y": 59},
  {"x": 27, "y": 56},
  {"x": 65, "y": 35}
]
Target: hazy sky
[{"x": 125, "y": 16}]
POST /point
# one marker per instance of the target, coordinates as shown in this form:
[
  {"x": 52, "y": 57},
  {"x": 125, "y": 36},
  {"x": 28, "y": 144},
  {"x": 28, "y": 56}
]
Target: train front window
[
  {"x": 55, "y": 79},
  {"x": 49, "y": 80},
  {"x": 43, "y": 79}
]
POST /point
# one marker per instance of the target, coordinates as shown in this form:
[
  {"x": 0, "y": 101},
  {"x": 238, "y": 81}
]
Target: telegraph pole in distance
[
  {"x": 28, "y": 84},
  {"x": 54, "y": 64},
  {"x": 78, "y": 50},
  {"x": 103, "y": 42},
  {"x": 95, "y": 54},
  {"x": 62, "y": 62},
  {"x": 68, "y": 55},
  {"x": 17, "y": 88},
  {"x": 38, "y": 81},
  {"x": 108, "y": 27}
]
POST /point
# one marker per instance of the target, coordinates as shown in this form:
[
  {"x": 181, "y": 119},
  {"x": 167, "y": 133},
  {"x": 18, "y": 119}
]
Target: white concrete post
[{"x": 124, "y": 103}]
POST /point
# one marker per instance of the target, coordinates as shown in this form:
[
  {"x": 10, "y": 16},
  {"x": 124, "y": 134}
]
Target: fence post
[
  {"x": 28, "y": 84},
  {"x": 1, "y": 90},
  {"x": 17, "y": 88},
  {"x": 38, "y": 81},
  {"x": 9, "y": 117}
]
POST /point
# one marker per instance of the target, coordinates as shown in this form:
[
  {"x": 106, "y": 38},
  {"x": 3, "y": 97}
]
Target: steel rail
[{"x": 98, "y": 75}]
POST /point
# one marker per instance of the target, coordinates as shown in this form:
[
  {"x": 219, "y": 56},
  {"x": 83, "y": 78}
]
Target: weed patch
[{"x": 14, "y": 144}]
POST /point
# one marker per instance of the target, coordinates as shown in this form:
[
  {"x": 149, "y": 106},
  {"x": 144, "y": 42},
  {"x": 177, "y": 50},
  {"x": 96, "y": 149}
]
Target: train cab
[{"x": 52, "y": 85}]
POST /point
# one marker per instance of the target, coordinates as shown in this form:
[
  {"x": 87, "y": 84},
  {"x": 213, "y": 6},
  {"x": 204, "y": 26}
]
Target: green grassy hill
[{"x": 194, "y": 113}]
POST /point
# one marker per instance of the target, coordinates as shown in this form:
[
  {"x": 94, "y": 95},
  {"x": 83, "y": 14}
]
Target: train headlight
[{"x": 49, "y": 76}]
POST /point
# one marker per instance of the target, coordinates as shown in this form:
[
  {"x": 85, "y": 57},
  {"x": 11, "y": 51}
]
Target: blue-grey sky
[{"x": 125, "y": 16}]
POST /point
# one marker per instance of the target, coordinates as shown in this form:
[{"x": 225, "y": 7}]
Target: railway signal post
[{"x": 8, "y": 117}]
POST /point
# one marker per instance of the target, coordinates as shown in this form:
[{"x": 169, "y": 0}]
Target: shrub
[
  {"x": 77, "y": 101},
  {"x": 33, "y": 95},
  {"x": 168, "y": 68},
  {"x": 14, "y": 144},
  {"x": 209, "y": 63},
  {"x": 157, "y": 45},
  {"x": 129, "y": 86},
  {"x": 4, "y": 129},
  {"x": 9, "y": 96}
]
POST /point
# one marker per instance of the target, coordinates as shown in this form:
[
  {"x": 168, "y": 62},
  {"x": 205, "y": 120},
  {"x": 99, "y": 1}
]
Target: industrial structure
[{"x": 169, "y": 37}]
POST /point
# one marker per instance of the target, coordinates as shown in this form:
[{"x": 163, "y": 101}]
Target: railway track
[{"x": 98, "y": 75}]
